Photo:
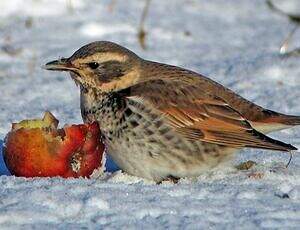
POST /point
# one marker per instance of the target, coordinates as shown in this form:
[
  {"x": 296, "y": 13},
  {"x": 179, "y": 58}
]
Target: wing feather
[{"x": 201, "y": 116}]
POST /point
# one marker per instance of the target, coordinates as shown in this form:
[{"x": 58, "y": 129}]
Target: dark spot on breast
[
  {"x": 149, "y": 132},
  {"x": 123, "y": 119},
  {"x": 153, "y": 116},
  {"x": 169, "y": 137},
  {"x": 164, "y": 130},
  {"x": 133, "y": 134},
  {"x": 152, "y": 140},
  {"x": 148, "y": 111},
  {"x": 158, "y": 123},
  {"x": 138, "y": 116},
  {"x": 147, "y": 124},
  {"x": 84, "y": 112},
  {"x": 133, "y": 123},
  {"x": 128, "y": 112},
  {"x": 150, "y": 154}
]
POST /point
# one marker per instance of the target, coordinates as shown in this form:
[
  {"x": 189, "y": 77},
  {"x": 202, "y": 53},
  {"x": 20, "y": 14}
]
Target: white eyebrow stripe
[{"x": 104, "y": 57}]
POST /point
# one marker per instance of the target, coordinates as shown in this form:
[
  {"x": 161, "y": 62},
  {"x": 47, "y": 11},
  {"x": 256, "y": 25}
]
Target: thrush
[{"x": 161, "y": 121}]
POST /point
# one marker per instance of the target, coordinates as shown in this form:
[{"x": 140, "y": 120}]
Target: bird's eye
[{"x": 93, "y": 65}]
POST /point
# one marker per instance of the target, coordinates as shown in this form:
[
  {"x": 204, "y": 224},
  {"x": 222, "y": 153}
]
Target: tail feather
[
  {"x": 274, "y": 117},
  {"x": 290, "y": 120},
  {"x": 273, "y": 121}
]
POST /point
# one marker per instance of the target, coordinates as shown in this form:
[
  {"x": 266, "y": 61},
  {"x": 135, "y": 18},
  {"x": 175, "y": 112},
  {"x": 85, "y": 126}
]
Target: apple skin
[{"x": 74, "y": 151}]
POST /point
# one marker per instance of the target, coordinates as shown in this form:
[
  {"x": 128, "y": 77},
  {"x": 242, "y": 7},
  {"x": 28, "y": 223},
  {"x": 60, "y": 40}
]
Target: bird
[{"x": 160, "y": 121}]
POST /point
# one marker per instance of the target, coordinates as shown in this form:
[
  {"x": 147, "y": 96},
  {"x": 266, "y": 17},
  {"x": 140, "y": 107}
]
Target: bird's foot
[{"x": 169, "y": 179}]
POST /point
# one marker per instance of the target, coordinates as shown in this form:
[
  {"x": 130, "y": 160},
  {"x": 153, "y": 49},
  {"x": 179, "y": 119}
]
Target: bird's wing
[{"x": 197, "y": 115}]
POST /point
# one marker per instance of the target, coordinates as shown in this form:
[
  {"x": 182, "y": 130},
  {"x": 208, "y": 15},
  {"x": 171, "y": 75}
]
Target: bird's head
[{"x": 102, "y": 65}]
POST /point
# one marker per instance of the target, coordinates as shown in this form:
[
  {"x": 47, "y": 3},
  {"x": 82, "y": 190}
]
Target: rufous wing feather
[
  {"x": 206, "y": 118},
  {"x": 220, "y": 124}
]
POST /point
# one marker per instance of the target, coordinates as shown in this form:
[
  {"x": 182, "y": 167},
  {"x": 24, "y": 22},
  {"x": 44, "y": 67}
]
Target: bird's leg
[{"x": 171, "y": 179}]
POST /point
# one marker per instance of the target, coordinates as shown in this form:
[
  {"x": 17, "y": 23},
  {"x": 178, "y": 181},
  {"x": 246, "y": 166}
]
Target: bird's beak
[{"x": 62, "y": 64}]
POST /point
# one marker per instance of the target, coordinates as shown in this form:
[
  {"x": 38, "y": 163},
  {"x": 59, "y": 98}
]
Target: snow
[{"x": 233, "y": 42}]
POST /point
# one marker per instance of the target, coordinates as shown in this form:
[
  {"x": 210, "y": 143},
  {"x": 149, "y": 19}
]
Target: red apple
[{"x": 36, "y": 148}]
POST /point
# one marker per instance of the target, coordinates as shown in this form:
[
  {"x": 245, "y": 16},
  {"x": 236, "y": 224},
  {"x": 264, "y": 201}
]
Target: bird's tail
[
  {"x": 274, "y": 121},
  {"x": 291, "y": 120}
]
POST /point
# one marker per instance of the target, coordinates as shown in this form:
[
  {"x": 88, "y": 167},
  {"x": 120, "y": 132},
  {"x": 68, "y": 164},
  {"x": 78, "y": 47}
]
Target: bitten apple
[{"x": 36, "y": 148}]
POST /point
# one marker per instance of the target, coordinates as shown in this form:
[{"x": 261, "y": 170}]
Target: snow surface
[{"x": 233, "y": 42}]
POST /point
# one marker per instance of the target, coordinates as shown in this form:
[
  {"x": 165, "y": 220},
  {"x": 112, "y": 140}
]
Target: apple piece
[
  {"x": 36, "y": 148},
  {"x": 48, "y": 121}
]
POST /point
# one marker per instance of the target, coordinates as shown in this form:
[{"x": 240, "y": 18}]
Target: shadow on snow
[{"x": 3, "y": 169}]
